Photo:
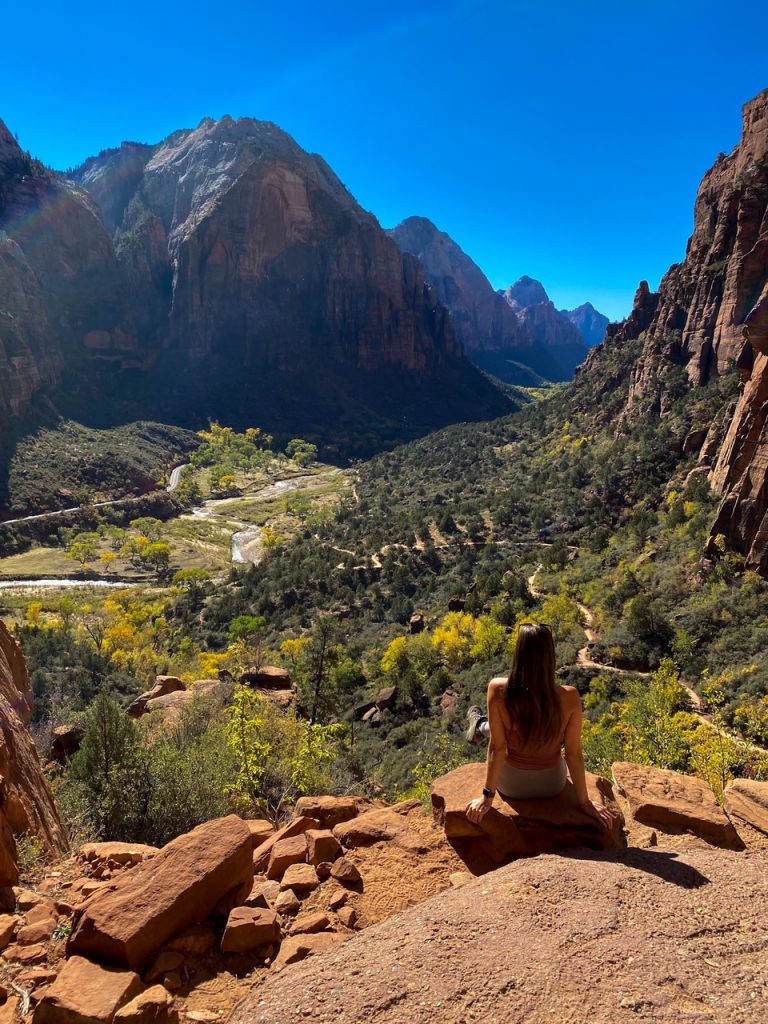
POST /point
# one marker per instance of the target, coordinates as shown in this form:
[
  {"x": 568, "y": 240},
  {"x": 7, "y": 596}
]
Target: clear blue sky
[{"x": 564, "y": 140}]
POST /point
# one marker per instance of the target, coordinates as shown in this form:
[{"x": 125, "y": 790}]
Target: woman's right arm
[{"x": 574, "y": 758}]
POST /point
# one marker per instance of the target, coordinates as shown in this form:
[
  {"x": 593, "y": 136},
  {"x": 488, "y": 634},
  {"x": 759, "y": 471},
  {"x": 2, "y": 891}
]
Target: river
[{"x": 247, "y": 538}]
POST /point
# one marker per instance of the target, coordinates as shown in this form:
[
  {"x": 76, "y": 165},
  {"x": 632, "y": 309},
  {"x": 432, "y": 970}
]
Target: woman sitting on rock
[{"x": 530, "y": 719}]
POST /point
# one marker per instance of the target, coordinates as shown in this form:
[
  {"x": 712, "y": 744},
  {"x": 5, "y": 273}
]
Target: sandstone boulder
[
  {"x": 268, "y": 677},
  {"x": 345, "y": 871},
  {"x": 8, "y": 924},
  {"x": 117, "y": 853},
  {"x": 26, "y": 955},
  {"x": 260, "y": 830},
  {"x": 312, "y": 921},
  {"x": 332, "y": 810},
  {"x": 287, "y": 902},
  {"x": 85, "y": 993},
  {"x": 674, "y": 803},
  {"x": 747, "y": 801},
  {"x": 337, "y": 901},
  {"x": 300, "y": 878},
  {"x": 322, "y": 846},
  {"x": 65, "y": 741},
  {"x": 249, "y": 929},
  {"x": 520, "y": 828},
  {"x": 167, "y": 894},
  {"x": 155, "y": 1006},
  {"x": 170, "y": 704},
  {"x": 263, "y": 893},
  {"x": 36, "y": 932},
  {"x": 386, "y": 698},
  {"x": 296, "y": 827},
  {"x": 163, "y": 686},
  {"x": 292, "y": 850},
  {"x": 374, "y": 826},
  {"x": 347, "y": 916}
]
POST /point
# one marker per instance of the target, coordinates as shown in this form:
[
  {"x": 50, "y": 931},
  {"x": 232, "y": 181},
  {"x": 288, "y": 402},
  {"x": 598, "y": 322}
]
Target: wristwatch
[{"x": 489, "y": 794}]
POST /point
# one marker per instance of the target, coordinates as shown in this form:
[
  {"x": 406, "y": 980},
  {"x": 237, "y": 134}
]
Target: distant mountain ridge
[
  {"x": 518, "y": 335},
  {"x": 222, "y": 273},
  {"x": 589, "y": 322}
]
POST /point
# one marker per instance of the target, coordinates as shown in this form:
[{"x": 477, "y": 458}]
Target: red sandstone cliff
[
  {"x": 58, "y": 279},
  {"x": 26, "y": 802},
  {"x": 260, "y": 283},
  {"x": 703, "y": 302}
]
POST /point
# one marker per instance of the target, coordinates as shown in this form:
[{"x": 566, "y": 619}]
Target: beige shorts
[{"x": 526, "y": 784}]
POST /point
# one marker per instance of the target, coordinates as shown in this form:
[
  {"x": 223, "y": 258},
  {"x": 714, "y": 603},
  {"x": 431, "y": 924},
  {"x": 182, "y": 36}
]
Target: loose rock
[
  {"x": 166, "y": 895},
  {"x": 85, "y": 993},
  {"x": 301, "y": 878},
  {"x": 248, "y": 929},
  {"x": 345, "y": 871},
  {"x": 672, "y": 802},
  {"x": 292, "y": 850}
]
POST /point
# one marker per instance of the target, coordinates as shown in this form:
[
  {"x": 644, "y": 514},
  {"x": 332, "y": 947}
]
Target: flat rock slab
[
  {"x": 520, "y": 828},
  {"x": 376, "y": 826},
  {"x": 85, "y": 993},
  {"x": 332, "y": 810},
  {"x": 674, "y": 803},
  {"x": 120, "y": 853},
  {"x": 747, "y": 801},
  {"x": 299, "y": 947},
  {"x": 612, "y": 937},
  {"x": 160, "y": 898}
]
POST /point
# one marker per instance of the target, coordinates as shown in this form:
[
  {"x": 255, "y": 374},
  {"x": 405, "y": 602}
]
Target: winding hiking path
[{"x": 592, "y": 634}]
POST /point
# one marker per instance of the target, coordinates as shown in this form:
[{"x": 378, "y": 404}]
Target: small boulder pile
[{"x": 132, "y": 934}]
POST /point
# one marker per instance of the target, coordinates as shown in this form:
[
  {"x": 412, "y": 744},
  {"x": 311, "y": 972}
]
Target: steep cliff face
[
  {"x": 483, "y": 321},
  {"x": 711, "y": 314},
  {"x": 741, "y": 472},
  {"x": 702, "y": 302},
  {"x": 224, "y": 273},
  {"x": 553, "y": 334},
  {"x": 264, "y": 292},
  {"x": 59, "y": 282},
  {"x": 26, "y": 802}
]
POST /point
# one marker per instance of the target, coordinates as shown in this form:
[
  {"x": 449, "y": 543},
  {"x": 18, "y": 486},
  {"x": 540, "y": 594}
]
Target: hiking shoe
[{"x": 475, "y": 717}]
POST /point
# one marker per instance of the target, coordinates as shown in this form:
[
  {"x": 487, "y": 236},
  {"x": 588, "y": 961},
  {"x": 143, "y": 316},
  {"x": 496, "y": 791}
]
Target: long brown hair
[{"x": 531, "y": 693}]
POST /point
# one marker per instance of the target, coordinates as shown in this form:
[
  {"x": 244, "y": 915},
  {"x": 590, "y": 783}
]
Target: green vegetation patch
[{"x": 71, "y": 464}]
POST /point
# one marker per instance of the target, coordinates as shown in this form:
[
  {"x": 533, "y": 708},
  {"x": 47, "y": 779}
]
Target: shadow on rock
[{"x": 665, "y": 864}]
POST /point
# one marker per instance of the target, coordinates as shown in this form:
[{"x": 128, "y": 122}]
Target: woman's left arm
[{"x": 497, "y": 745}]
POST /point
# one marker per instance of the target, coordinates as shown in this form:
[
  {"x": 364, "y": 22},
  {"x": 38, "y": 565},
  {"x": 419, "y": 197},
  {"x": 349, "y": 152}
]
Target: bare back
[{"x": 504, "y": 734}]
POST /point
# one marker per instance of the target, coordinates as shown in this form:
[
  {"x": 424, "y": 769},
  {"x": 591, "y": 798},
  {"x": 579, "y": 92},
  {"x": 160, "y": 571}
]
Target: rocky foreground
[
  {"x": 399, "y": 916},
  {"x": 605, "y": 938}
]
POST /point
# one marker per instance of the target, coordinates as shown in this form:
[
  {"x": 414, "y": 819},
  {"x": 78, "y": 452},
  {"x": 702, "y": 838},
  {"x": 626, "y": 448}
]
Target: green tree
[
  {"x": 107, "y": 767},
  {"x": 84, "y": 548},
  {"x": 149, "y": 526},
  {"x": 652, "y": 731},
  {"x": 303, "y": 453}
]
